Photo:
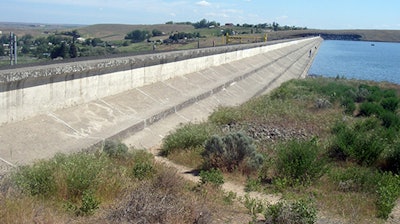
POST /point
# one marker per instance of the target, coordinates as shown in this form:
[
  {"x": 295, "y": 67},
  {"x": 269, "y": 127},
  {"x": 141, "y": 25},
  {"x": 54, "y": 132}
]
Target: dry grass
[
  {"x": 189, "y": 158},
  {"x": 112, "y": 32},
  {"x": 163, "y": 198},
  {"x": 353, "y": 207}
]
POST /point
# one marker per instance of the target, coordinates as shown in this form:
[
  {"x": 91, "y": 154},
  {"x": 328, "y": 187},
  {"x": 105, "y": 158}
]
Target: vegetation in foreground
[
  {"x": 111, "y": 185},
  {"x": 329, "y": 146},
  {"x": 326, "y": 140}
]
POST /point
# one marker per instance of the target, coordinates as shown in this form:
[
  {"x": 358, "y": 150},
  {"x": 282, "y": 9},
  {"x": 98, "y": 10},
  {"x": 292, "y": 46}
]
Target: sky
[{"x": 319, "y": 14}]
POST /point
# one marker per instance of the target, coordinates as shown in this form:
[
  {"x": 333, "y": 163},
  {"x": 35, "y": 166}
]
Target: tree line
[
  {"x": 69, "y": 44},
  {"x": 61, "y": 45}
]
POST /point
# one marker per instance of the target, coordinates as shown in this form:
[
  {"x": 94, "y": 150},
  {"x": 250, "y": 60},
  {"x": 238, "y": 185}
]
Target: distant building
[{"x": 228, "y": 24}]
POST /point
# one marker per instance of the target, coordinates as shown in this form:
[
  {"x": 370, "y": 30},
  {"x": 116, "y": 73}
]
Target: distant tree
[
  {"x": 1, "y": 50},
  {"x": 169, "y": 22},
  {"x": 40, "y": 41},
  {"x": 182, "y": 35},
  {"x": 156, "y": 33},
  {"x": 212, "y": 23},
  {"x": 201, "y": 24},
  {"x": 125, "y": 44},
  {"x": 42, "y": 50},
  {"x": 263, "y": 25},
  {"x": 4, "y": 39},
  {"x": 27, "y": 39},
  {"x": 96, "y": 42},
  {"x": 73, "y": 51},
  {"x": 75, "y": 35},
  {"x": 227, "y": 31},
  {"x": 25, "y": 49},
  {"x": 55, "y": 39},
  {"x": 138, "y": 36},
  {"x": 60, "y": 51},
  {"x": 275, "y": 26}
]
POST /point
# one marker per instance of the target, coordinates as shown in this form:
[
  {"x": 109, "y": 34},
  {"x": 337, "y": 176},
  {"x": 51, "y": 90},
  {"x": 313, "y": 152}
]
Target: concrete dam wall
[
  {"x": 72, "y": 106},
  {"x": 31, "y": 91}
]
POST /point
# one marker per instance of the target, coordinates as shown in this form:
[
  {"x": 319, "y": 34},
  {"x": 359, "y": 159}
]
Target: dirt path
[
  {"x": 228, "y": 186},
  {"x": 394, "y": 217},
  {"x": 236, "y": 188}
]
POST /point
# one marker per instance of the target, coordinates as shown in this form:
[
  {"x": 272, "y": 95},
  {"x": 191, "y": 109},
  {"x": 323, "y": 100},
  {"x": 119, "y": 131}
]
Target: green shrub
[
  {"x": 389, "y": 93},
  {"x": 37, "y": 179},
  {"x": 283, "y": 92},
  {"x": 390, "y": 120},
  {"x": 343, "y": 141},
  {"x": 368, "y": 149},
  {"x": 300, "y": 212},
  {"x": 143, "y": 167},
  {"x": 375, "y": 93},
  {"x": 229, "y": 197},
  {"x": 213, "y": 176},
  {"x": 356, "y": 179},
  {"x": 225, "y": 115},
  {"x": 253, "y": 184},
  {"x": 392, "y": 160},
  {"x": 388, "y": 193},
  {"x": 254, "y": 206},
  {"x": 361, "y": 179},
  {"x": 390, "y": 104},
  {"x": 187, "y": 137},
  {"x": 115, "y": 149},
  {"x": 349, "y": 105},
  {"x": 89, "y": 204},
  {"x": 142, "y": 170},
  {"x": 362, "y": 94},
  {"x": 80, "y": 171},
  {"x": 298, "y": 161},
  {"x": 361, "y": 142},
  {"x": 230, "y": 151},
  {"x": 368, "y": 109}
]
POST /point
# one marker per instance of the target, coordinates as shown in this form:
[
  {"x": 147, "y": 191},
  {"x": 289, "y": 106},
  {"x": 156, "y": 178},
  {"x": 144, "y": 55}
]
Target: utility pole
[{"x": 13, "y": 49}]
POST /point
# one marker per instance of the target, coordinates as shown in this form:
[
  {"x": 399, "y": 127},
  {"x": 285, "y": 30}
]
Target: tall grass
[
  {"x": 186, "y": 137},
  {"x": 299, "y": 162}
]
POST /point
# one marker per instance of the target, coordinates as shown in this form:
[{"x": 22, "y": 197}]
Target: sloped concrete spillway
[{"x": 108, "y": 108}]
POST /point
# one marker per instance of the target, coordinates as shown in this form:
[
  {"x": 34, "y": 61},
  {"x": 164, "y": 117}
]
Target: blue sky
[{"x": 320, "y": 14}]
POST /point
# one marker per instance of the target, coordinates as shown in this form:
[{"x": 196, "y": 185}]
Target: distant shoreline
[{"x": 354, "y": 34}]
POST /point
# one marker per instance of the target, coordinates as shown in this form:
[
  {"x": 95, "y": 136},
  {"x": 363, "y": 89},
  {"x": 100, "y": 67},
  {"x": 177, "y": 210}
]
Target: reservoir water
[{"x": 378, "y": 61}]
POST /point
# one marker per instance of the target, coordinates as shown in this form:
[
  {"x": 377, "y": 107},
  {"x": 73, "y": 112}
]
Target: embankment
[{"x": 78, "y": 105}]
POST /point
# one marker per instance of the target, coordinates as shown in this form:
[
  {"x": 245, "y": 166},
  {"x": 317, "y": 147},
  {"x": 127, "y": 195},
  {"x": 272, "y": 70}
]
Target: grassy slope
[
  {"x": 111, "y": 32},
  {"x": 115, "y": 32}
]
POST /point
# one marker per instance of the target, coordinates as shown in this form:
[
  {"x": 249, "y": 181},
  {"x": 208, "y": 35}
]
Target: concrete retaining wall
[{"x": 27, "y": 92}]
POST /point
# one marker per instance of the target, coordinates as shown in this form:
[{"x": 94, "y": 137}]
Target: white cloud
[{"x": 203, "y": 3}]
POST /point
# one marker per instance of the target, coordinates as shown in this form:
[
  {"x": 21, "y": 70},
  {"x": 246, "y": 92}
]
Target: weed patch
[
  {"x": 213, "y": 176},
  {"x": 299, "y": 162},
  {"x": 301, "y": 211},
  {"x": 187, "y": 137}
]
